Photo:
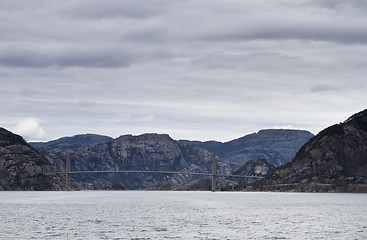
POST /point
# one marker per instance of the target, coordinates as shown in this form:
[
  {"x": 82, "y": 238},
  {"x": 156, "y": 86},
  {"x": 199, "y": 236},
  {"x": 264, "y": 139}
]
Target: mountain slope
[
  {"x": 277, "y": 145},
  {"x": 150, "y": 152},
  {"x": 334, "y": 160},
  {"x": 23, "y": 168}
]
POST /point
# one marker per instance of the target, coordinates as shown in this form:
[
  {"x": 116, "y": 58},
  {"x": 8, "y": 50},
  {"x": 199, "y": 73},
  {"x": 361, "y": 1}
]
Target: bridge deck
[{"x": 163, "y": 172}]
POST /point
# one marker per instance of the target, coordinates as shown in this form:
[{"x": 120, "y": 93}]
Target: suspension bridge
[{"x": 213, "y": 174}]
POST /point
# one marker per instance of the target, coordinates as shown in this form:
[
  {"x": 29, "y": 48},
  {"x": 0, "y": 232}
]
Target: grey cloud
[
  {"x": 139, "y": 9},
  {"x": 89, "y": 57},
  {"x": 16, "y": 57},
  {"x": 150, "y": 35},
  {"x": 284, "y": 29},
  {"x": 86, "y": 57},
  {"x": 31, "y": 93},
  {"x": 325, "y": 88},
  {"x": 344, "y": 33},
  {"x": 283, "y": 20},
  {"x": 260, "y": 61},
  {"x": 359, "y": 5}
]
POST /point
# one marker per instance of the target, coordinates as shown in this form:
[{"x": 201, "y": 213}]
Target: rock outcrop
[
  {"x": 333, "y": 160},
  {"x": 148, "y": 152},
  {"x": 279, "y": 146},
  {"x": 257, "y": 168},
  {"x": 23, "y": 168}
]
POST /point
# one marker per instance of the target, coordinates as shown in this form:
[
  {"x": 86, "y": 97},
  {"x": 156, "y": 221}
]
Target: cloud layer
[
  {"x": 194, "y": 69},
  {"x": 30, "y": 128}
]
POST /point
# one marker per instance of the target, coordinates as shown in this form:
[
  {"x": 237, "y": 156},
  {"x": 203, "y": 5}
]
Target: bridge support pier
[
  {"x": 214, "y": 185},
  {"x": 67, "y": 171}
]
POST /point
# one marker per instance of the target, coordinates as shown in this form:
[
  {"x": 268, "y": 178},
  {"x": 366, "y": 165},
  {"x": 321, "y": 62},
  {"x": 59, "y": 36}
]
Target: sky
[{"x": 193, "y": 69}]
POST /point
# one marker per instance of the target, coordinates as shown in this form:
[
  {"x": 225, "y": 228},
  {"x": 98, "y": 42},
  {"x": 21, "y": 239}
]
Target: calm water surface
[{"x": 182, "y": 215}]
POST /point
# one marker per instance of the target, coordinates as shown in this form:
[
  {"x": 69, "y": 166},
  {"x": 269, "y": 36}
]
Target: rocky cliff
[
  {"x": 333, "y": 160},
  {"x": 23, "y": 168},
  {"x": 277, "y": 145},
  {"x": 149, "y": 152}
]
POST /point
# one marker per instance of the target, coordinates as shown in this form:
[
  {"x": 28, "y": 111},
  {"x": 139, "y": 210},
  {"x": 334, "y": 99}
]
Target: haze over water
[{"x": 182, "y": 215}]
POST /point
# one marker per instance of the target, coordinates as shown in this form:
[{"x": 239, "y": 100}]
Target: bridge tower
[
  {"x": 67, "y": 171},
  {"x": 214, "y": 185}
]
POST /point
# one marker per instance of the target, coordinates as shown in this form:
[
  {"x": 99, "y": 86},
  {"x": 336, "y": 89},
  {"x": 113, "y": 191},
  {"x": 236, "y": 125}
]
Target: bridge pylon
[
  {"x": 214, "y": 185},
  {"x": 67, "y": 171}
]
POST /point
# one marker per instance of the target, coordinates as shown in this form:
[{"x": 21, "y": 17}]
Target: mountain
[
  {"x": 279, "y": 146},
  {"x": 74, "y": 142},
  {"x": 24, "y": 168},
  {"x": 258, "y": 168},
  {"x": 149, "y": 152},
  {"x": 333, "y": 160}
]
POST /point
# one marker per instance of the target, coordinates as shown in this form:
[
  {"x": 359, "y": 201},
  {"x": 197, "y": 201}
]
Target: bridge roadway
[{"x": 162, "y": 172}]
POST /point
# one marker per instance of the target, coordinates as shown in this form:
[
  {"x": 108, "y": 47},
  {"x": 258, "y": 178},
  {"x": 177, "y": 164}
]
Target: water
[{"x": 182, "y": 215}]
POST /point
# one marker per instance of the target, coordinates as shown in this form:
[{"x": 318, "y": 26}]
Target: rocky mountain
[
  {"x": 258, "y": 168},
  {"x": 333, "y": 160},
  {"x": 23, "y": 168},
  {"x": 74, "y": 142},
  {"x": 277, "y": 145},
  {"x": 149, "y": 152}
]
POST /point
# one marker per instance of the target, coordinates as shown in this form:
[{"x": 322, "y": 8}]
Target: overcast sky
[{"x": 194, "y": 69}]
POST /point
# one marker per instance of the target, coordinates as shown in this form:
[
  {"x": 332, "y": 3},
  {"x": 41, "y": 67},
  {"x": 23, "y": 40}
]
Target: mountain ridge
[
  {"x": 279, "y": 146},
  {"x": 73, "y": 142}
]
